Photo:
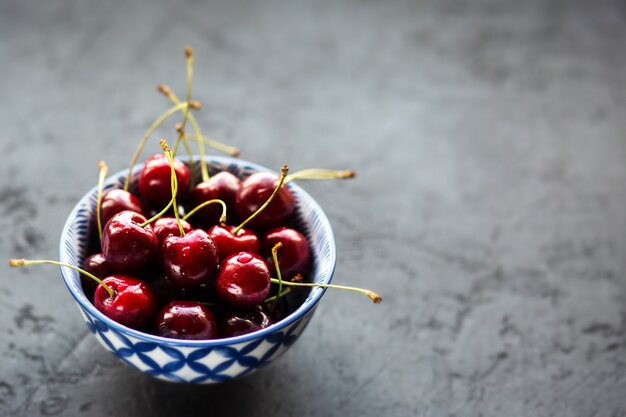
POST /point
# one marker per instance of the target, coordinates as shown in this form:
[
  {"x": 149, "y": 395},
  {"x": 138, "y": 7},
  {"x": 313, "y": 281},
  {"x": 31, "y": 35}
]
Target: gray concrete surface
[{"x": 490, "y": 207}]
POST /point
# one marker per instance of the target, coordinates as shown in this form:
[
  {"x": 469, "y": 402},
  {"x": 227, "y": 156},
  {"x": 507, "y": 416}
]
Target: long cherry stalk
[
  {"x": 284, "y": 170},
  {"x": 103, "y": 169},
  {"x": 370, "y": 294},
  {"x": 14, "y": 263},
  {"x": 151, "y": 129}
]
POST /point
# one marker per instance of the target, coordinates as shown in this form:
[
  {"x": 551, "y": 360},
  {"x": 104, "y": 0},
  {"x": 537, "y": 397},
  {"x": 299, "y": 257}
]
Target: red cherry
[
  {"x": 243, "y": 280},
  {"x": 230, "y": 244},
  {"x": 190, "y": 260},
  {"x": 187, "y": 320},
  {"x": 115, "y": 201},
  {"x": 168, "y": 226},
  {"x": 222, "y": 186},
  {"x": 98, "y": 266},
  {"x": 133, "y": 304},
  {"x": 127, "y": 246},
  {"x": 254, "y": 191},
  {"x": 294, "y": 257},
  {"x": 240, "y": 322},
  {"x": 155, "y": 179}
]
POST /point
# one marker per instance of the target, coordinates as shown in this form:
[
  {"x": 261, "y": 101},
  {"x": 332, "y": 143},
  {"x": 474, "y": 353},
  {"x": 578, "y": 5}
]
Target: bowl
[{"x": 198, "y": 361}]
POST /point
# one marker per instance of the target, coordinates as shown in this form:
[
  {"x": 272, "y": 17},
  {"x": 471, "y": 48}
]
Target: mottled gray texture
[{"x": 490, "y": 207}]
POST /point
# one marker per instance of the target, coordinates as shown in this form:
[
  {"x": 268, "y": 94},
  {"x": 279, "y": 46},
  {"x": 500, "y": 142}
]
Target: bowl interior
[{"x": 311, "y": 220}]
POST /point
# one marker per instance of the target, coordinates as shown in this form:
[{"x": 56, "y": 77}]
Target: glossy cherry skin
[
  {"x": 254, "y": 192},
  {"x": 294, "y": 256},
  {"x": 190, "y": 260},
  {"x": 127, "y": 246},
  {"x": 95, "y": 265},
  {"x": 222, "y": 186},
  {"x": 168, "y": 226},
  {"x": 116, "y": 201},
  {"x": 230, "y": 244},
  {"x": 187, "y": 320},
  {"x": 243, "y": 280},
  {"x": 240, "y": 322},
  {"x": 155, "y": 180},
  {"x": 133, "y": 304}
]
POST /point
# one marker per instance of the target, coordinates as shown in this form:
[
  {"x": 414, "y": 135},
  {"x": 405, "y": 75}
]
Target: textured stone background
[{"x": 490, "y": 209}]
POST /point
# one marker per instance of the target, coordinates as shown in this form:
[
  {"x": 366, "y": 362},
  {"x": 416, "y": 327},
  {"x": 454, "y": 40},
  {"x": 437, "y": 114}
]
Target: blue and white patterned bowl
[{"x": 206, "y": 361}]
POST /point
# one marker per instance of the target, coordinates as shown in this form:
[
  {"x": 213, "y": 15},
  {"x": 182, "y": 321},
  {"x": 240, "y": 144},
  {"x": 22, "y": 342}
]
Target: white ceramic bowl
[{"x": 205, "y": 361}]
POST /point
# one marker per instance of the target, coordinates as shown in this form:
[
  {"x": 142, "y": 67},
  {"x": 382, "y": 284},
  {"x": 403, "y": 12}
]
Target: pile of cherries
[
  {"x": 170, "y": 260},
  {"x": 197, "y": 278}
]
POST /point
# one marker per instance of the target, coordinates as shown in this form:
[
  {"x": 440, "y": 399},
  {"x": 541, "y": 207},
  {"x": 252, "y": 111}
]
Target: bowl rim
[{"x": 307, "y": 306}]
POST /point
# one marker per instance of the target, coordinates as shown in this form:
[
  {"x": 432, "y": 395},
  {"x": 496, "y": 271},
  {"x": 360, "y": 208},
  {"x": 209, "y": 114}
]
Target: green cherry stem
[
  {"x": 181, "y": 127},
  {"x": 102, "y": 174},
  {"x": 284, "y": 170},
  {"x": 198, "y": 137},
  {"x": 194, "y": 124},
  {"x": 151, "y": 129},
  {"x": 166, "y": 208},
  {"x": 174, "y": 182},
  {"x": 277, "y": 296},
  {"x": 213, "y": 143},
  {"x": 209, "y": 304},
  {"x": 280, "y": 276},
  {"x": 370, "y": 294},
  {"x": 206, "y": 203},
  {"x": 180, "y": 130},
  {"x": 183, "y": 139},
  {"x": 14, "y": 263},
  {"x": 320, "y": 174}
]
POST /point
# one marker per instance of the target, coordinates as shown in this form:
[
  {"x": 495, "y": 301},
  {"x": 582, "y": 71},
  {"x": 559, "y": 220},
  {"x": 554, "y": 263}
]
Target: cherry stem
[
  {"x": 187, "y": 148},
  {"x": 209, "y": 304},
  {"x": 279, "y": 295},
  {"x": 213, "y": 143},
  {"x": 174, "y": 183},
  {"x": 370, "y": 294},
  {"x": 103, "y": 173},
  {"x": 277, "y": 246},
  {"x": 320, "y": 174},
  {"x": 206, "y": 203},
  {"x": 151, "y": 129},
  {"x": 14, "y": 263},
  {"x": 165, "y": 209},
  {"x": 284, "y": 170},
  {"x": 227, "y": 149},
  {"x": 181, "y": 127},
  {"x": 183, "y": 138},
  {"x": 194, "y": 124}
]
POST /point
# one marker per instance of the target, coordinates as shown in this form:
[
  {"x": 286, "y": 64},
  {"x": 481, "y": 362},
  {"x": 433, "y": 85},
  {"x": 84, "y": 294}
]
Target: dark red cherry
[
  {"x": 168, "y": 226},
  {"x": 133, "y": 304},
  {"x": 115, "y": 201},
  {"x": 230, "y": 244},
  {"x": 294, "y": 257},
  {"x": 127, "y": 246},
  {"x": 243, "y": 280},
  {"x": 98, "y": 266},
  {"x": 190, "y": 260},
  {"x": 222, "y": 186},
  {"x": 187, "y": 320},
  {"x": 155, "y": 180},
  {"x": 240, "y": 322},
  {"x": 254, "y": 191}
]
